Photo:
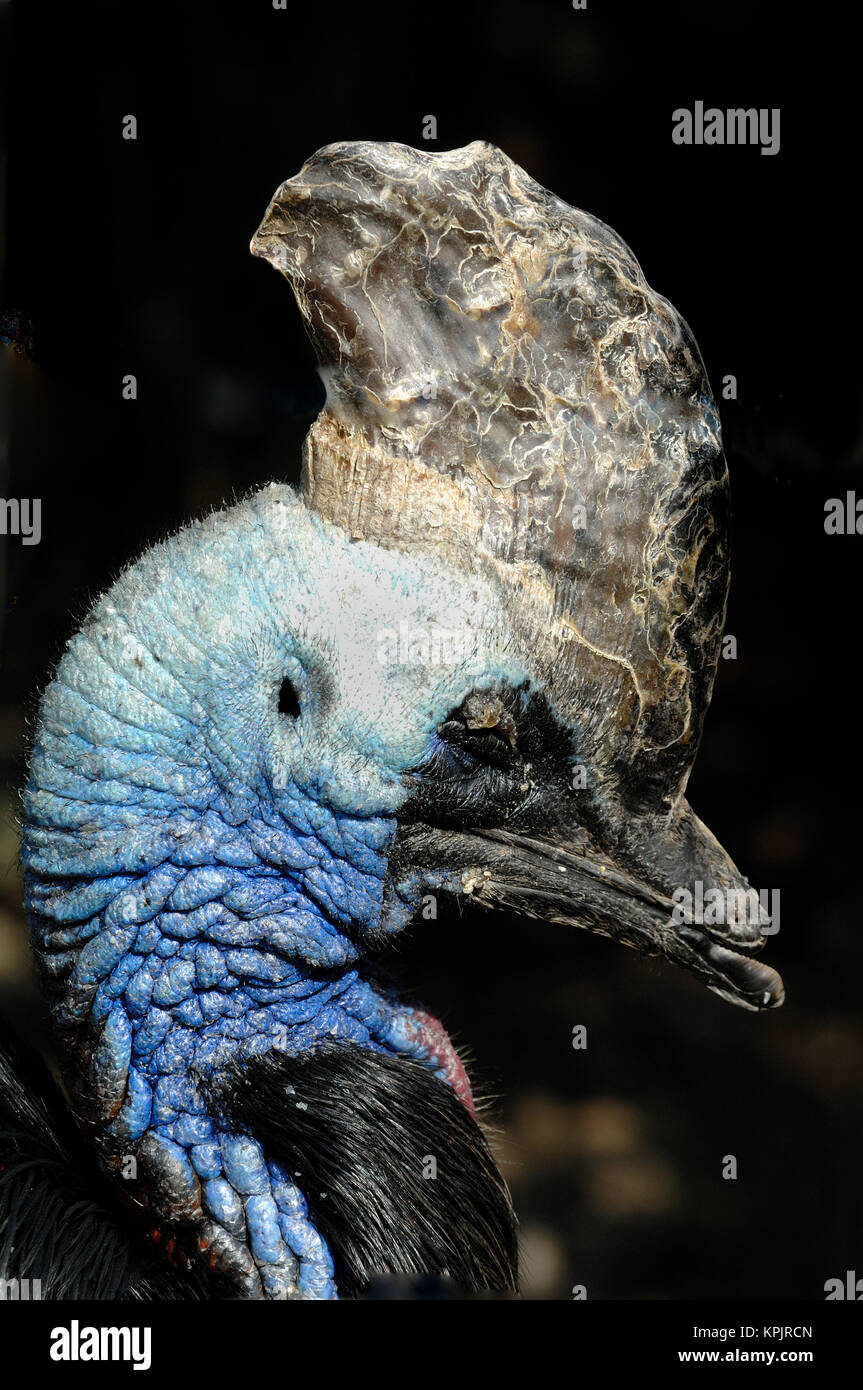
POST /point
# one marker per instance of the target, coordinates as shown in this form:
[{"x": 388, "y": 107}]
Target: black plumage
[
  {"x": 397, "y": 1174},
  {"x": 61, "y": 1223}
]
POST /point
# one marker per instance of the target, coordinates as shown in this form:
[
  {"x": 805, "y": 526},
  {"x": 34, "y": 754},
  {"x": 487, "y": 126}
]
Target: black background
[{"x": 133, "y": 257}]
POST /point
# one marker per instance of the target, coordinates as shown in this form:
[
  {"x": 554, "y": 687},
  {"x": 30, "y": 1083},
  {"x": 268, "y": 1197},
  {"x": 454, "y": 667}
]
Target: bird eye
[
  {"x": 482, "y": 725},
  {"x": 485, "y": 713},
  {"x": 289, "y": 704}
]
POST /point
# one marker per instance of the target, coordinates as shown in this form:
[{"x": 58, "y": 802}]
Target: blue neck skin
[
  {"x": 233, "y": 947},
  {"x": 203, "y": 874}
]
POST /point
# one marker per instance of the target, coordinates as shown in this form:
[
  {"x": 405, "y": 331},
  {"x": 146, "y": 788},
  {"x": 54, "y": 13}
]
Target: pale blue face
[
  {"x": 204, "y": 854},
  {"x": 168, "y": 699}
]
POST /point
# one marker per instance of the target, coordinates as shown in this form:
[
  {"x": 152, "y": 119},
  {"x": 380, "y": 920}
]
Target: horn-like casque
[{"x": 504, "y": 388}]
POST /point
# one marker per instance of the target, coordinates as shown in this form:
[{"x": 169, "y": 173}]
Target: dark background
[{"x": 132, "y": 257}]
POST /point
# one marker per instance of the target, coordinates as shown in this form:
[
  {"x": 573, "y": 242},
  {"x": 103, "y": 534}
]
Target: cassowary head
[{"x": 473, "y": 659}]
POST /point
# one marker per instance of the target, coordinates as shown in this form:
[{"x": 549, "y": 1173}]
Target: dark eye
[
  {"x": 289, "y": 704},
  {"x": 483, "y": 727}
]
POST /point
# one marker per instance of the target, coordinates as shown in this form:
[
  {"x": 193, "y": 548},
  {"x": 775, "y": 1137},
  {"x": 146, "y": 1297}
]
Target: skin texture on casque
[
  {"x": 504, "y": 387},
  {"x": 203, "y": 873}
]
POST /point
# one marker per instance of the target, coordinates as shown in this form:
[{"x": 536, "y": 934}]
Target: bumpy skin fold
[{"x": 203, "y": 873}]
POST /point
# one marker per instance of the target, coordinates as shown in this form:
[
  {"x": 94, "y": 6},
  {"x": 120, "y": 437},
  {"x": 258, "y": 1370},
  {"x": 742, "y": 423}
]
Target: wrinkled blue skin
[{"x": 202, "y": 873}]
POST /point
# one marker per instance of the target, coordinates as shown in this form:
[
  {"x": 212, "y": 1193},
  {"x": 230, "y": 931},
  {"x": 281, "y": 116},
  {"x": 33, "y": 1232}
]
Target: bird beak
[{"x": 568, "y": 881}]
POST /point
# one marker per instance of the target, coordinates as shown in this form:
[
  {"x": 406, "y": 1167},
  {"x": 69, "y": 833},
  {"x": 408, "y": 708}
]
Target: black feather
[
  {"x": 60, "y": 1221},
  {"x": 356, "y": 1130}
]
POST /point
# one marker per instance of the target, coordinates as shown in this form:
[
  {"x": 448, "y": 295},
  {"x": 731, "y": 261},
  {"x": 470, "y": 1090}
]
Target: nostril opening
[{"x": 289, "y": 704}]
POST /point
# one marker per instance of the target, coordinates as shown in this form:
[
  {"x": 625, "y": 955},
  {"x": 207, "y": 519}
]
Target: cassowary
[{"x": 471, "y": 659}]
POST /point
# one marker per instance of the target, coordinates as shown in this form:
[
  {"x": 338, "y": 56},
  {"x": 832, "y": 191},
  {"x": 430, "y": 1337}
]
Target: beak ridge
[{"x": 571, "y": 882}]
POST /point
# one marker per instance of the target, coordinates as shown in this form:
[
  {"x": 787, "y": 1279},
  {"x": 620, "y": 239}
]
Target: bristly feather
[
  {"x": 60, "y": 1222},
  {"x": 357, "y": 1129}
]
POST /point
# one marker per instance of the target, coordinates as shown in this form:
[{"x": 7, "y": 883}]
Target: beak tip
[{"x": 771, "y": 997}]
